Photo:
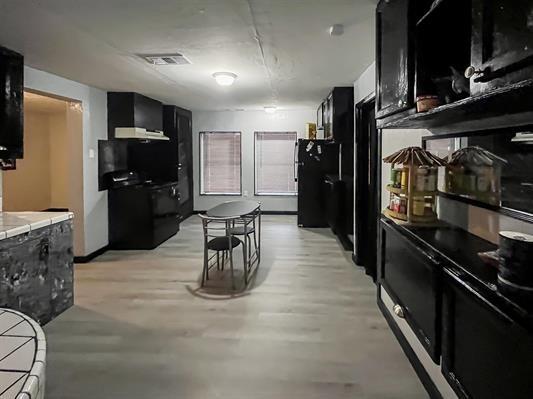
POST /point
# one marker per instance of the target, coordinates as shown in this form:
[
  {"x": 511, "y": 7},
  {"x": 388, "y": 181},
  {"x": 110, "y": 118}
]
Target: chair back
[{"x": 215, "y": 227}]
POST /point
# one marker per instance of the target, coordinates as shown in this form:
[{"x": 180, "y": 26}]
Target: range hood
[{"x": 138, "y": 133}]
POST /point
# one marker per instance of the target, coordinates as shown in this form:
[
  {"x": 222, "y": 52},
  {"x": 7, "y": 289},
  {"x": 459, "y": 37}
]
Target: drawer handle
[{"x": 398, "y": 311}]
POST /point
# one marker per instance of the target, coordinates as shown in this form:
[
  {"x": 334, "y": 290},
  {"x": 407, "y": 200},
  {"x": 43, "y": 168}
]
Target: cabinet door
[
  {"x": 328, "y": 114},
  {"x": 185, "y": 164},
  {"x": 320, "y": 116},
  {"x": 148, "y": 113},
  {"x": 411, "y": 278},
  {"x": 502, "y": 43},
  {"x": 11, "y": 104},
  {"x": 484, "y": 353},
  {"x": 395, "y": 66}
]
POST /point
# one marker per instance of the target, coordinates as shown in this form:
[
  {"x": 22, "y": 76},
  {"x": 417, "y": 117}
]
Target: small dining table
[
  {"x": 233, "y": 209},
  {"x": 239, "y": 209}
]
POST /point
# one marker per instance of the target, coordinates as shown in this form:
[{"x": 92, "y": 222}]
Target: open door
[{"x": 366, "y": 186}]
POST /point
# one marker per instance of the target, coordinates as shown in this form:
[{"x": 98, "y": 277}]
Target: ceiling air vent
[{"x": 165, "y": 59}]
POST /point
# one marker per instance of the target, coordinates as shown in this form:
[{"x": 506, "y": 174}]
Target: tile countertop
[
  {"x": 15, "y": 223},
  {"x": 22, "y": 356}
]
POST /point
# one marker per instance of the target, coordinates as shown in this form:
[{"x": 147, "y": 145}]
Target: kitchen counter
[
  {"x": 459, "y": 250},
  {"x": 15, "y": 223},
  {"x": 23, "y": 356}
]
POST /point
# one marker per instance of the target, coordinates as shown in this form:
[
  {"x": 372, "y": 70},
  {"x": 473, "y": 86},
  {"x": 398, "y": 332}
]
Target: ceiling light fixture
[
  {"x": 336, "y": 30},
  {"x": 270, "y": 109},
  {"x": 225, "y": 78}
]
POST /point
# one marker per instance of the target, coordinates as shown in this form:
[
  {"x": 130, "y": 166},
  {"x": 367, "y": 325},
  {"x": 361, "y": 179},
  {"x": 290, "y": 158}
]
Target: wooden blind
[
  {"x": 274, "y": 163},
  {"x": 220, "y": 163}
]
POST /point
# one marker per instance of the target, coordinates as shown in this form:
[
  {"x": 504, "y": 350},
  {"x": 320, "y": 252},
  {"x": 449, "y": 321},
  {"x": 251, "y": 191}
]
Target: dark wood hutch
[{"x": 476, "y": 57}]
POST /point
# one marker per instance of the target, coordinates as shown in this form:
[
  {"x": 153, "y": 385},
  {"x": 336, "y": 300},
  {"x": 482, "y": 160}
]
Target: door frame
[{"x": 366, "y": 190}]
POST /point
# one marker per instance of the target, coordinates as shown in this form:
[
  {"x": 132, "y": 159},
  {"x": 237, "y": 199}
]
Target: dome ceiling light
[{"x": 225, "y": 78}]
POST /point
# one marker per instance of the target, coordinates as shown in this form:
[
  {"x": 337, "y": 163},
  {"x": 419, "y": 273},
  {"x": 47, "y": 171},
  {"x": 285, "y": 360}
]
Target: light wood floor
[{"x": 308, "y": 328}]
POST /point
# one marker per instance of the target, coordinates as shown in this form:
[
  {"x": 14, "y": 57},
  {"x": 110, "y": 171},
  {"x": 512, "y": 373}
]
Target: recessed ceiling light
[
  {"x": 270, "y": 109},
  {"x": 225, "y": 78}
]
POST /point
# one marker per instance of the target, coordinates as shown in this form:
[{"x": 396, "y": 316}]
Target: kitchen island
[{"x": 36, "y": 263}]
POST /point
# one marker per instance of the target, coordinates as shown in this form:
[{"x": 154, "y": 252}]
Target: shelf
[
  {"x": 396, "y": 190},
  {"x": 400, "y": 191},
  {"x": 472, "y": 113},
  {"x": 395, "y": 215}
]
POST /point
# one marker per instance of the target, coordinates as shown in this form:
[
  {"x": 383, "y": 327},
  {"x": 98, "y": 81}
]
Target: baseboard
[
  {"x": 345, "y": 241},
  {"x": 420, "y": 371},
  {"x": 91, "y": 256},
  {"x": 264, "y": 212},
  {"x": 279, "y": 212}
]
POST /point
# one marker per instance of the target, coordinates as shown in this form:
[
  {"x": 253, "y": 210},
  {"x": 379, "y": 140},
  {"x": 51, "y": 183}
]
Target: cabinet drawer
[
  {"x": 484, "y": 353},
  {"x": 411, "y": 277}
]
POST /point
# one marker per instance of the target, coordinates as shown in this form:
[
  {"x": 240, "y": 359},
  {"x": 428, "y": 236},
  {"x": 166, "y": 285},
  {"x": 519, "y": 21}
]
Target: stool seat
[{"x": 223, "y": 243}]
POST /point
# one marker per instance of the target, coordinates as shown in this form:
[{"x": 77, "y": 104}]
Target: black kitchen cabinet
[
  {"x": 485, "y": 353},
  {"x": 338, "y": 115},
  {"x": 143, "y": 216},
  {"x": 11, "y": 104},
  {"x": 411, "y": 276},
  {"x": 502, "y": 43},
  {"x": 320, "y": 116},
  {"x": 127, "y": 109},
  {"x": 177, "y": 123},
  {"x": 395, "y": 61}
]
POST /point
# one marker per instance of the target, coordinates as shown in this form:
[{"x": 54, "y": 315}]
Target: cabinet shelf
[
  {"x": 399, "y": 191},
  {"x": 514, "y": 101}
]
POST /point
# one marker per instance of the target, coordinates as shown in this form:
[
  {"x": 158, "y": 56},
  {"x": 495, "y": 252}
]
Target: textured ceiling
[{"x": 280, "y": 49}]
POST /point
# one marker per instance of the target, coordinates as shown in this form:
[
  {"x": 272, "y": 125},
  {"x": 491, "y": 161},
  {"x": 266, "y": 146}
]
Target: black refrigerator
[{"x": 314, "y": 159}]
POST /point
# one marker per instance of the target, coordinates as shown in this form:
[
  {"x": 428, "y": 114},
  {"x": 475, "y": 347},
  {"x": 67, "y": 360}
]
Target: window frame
[
  {"x": 200, "y": 168},
  {"x": 255, "y": 165}
]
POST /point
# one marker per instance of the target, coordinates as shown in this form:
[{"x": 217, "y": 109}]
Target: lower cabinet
[
  {"x": 411, "y": 277},
  {"x": 484, "y": 353},
  {"x": 484, "y": 349},
  {"x": 36, "y": 272}
]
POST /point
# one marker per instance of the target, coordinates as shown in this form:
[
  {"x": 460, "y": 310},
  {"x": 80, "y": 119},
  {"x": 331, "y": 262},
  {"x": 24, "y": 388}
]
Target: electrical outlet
[{"x": 246, "y": 193}]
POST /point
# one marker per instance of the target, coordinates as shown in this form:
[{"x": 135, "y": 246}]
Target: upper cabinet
[
  {"x": 395, "y": 62},
  {"x": 335, "y": 115},
  {"x": 11, "y": 104},
  {"x": 133, "y": 110},
  {"x": 469, "y": 63},
  {"x": 502, "y": 43}
]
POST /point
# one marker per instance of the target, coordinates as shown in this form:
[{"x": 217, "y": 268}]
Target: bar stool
[{"x": 217, "y": 238}]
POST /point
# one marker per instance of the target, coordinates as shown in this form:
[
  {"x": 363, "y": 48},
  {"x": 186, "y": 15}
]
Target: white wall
[
  {"x": 94, "y": 103},
  {"x": 246, "y": 122},
  {"x": 27, "y": 188},
  {"x": 365, "y": 84}
]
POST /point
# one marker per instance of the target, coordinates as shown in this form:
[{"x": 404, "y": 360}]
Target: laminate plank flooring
[{"x": 308, "y": 327}]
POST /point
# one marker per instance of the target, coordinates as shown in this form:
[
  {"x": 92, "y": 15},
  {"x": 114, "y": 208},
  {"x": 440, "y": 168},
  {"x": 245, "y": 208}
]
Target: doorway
[
  {"x": 366, "y": 186},
  {"x": 50, "y": 176}
]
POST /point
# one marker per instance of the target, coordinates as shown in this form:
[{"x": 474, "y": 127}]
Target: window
[
  {"x": 220, "y": 163},
  {"x": 274, "y": 163}
]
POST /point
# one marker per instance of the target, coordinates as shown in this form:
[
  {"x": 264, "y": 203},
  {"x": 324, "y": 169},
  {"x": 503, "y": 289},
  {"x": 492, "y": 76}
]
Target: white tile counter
[
  {"x": 14, "y": 223},
  {"x": 22, "y": 357}
]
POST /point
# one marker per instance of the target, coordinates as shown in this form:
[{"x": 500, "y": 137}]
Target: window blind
[
  {"x": 274, "y": 163},
  {"x": 220, "y": 163}
]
